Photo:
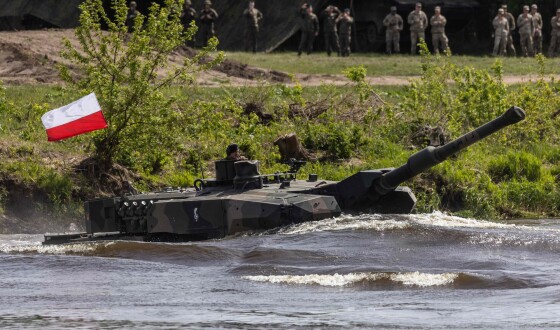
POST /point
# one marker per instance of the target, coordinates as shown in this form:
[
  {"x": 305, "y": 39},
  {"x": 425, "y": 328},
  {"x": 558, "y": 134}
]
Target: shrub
[
  {"x": 515, "y": 166},
  {"x": 122, "y": 69}
]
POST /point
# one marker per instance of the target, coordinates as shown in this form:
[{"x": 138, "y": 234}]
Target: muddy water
[{"x": 417, "y": 271}]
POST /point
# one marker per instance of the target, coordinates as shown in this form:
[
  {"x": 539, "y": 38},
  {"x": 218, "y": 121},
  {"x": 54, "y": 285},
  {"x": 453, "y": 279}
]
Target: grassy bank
[
  {"x": 511, "y": 174},
  {"x": 382, "y": 65}
]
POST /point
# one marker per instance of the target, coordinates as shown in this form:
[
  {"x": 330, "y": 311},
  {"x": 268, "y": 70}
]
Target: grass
[
  {"x": 382, "y": 65},
  {"x": 481, "y": 182}
]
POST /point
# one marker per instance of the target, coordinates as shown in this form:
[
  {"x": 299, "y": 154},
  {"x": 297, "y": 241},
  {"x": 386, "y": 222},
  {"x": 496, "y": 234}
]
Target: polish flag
[{"x": 73, "y": 119}]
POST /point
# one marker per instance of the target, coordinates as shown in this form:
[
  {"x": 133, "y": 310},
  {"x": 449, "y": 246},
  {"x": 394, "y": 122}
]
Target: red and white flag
[{"x": 73, "y": 119}]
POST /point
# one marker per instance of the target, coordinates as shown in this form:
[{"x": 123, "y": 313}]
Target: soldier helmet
[
  {"x": 133, "y": 3},
  {"x": 501, "y": 11},
  {"x": 347, "y": 10},
  {"x": 418, "y": 4},
  {"x": 188, "y": 2},
  {"x": 208, "y": 2},
  {"x": 504, "y": 6},
  {"x": 232, "y": 148},
  {"x": 526, "y": 8},
  {"x": 437, "y": 8},
  {"x": 393, "y": 8},
  {"x": 534, "y": 6}
]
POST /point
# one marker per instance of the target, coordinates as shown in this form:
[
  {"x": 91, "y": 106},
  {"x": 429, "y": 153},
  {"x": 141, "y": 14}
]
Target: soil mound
[{"x": 29, "y": 57}]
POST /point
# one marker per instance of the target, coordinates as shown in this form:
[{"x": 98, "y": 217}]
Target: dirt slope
[{"x": 28, "y": 57}]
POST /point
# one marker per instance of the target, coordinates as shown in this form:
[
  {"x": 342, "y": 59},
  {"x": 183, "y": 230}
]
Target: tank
[{"x": 240, "y": 198}]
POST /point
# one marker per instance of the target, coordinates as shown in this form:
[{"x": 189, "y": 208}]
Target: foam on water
[
  {"x": 27, "y": 246},
  {"x": 379, "y": 222},
  {"x": 411, "y": 278},
  {"x": 440, "y": 219},
  {"x": 347, "y": 222}
]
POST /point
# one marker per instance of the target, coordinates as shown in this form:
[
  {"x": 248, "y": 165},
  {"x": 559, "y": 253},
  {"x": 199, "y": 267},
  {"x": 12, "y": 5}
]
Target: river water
[{"x": 415, "y": 271}]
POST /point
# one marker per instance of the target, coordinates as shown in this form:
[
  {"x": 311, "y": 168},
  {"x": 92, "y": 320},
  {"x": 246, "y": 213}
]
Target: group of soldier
[
  {"x": 205, "y": 22},
  {"x": 529, "y": 24},
  {"x": 418, "y": 21},
  {"x": 337, "y": 26},
  {"x": 530, "y": 32}
]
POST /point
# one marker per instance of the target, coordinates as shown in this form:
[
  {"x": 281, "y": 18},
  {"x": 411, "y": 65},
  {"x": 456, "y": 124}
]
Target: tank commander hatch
[{"x": 233, "y": 153}]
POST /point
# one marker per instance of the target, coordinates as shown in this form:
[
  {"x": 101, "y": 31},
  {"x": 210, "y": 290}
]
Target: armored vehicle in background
[{"x": 241, "y": 199}]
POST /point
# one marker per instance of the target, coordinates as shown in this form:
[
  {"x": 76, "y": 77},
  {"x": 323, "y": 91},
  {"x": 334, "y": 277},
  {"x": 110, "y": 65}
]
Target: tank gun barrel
[{"x": 432, "y": 156}]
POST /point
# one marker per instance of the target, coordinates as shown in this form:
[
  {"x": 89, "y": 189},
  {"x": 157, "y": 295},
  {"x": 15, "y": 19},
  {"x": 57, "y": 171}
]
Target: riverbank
[{"x": 346, "y": 126}]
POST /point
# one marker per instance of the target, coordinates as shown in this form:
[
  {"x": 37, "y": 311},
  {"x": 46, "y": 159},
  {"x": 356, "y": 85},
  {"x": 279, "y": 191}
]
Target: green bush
[{"x": 517, "y": 166}]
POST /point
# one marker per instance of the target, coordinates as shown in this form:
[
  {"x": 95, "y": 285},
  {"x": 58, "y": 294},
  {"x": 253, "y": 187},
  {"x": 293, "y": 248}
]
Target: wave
[
  {"x": 187, "y": 253},
  {"x": 374, "y": 222},
  {"x": 408, "y": 279}
]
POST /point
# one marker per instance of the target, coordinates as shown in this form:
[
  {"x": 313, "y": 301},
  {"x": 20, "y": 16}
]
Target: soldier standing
[
  {"x": 537, "y": 25},
  {"x": 501, "y": 31},
  {"x": 439, "y": 38},
  {"x": 187, "y": 16},
  {"x": 526, "y": 30},
  {"x": 207, "y": 17},
  {"x": 329, "y": 26},
  {"x": 554, "y": 35},
  {"x": 345, "y": 22},
  {"x": 131, "y": 15},
  {"x": 394, "y": 25},
  {"x": 418, "y": 23},
  {"x": 309, "y": 29},
  {"x": 510, "y": 47},
  {"x": 253, "y": 16}
]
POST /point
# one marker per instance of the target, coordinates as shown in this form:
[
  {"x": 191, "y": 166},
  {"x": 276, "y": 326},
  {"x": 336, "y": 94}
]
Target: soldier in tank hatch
[
  {"x": 439, "y": 39},
  {"x": 207, "y": 17},
  {"x": 233, "y": 152},
  {"x": 393, "y": 26},
  {"x": 329, "y": 16},
  {"x": 309, "y": 29},
  {"x": 418, "y": 23},
  {"x": 252, "y": 17}
]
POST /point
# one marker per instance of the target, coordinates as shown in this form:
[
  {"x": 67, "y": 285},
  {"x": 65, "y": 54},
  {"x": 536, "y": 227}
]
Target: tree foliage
[{"x": 128, "y": 71}]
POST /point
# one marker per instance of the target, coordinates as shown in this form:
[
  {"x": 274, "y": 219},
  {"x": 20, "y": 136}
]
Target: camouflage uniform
[
  {"x": 554, "y": 36},
  {"x": 438, "y": 23},
  {"x": 510, "y": 47},
  {"x": 207, "y": 18},
  {"x": 309, "y": 29},
  {"x": 329, "y": 28},
  {"x": 252, "y": 18},
  {"x": 187, "y": 16},
  {"x": 394, "y": 25},
  {"x": 501, "y": 31},
  {"x": 526, "y": 30},
  {"x": 537, "y": 36},
  {"x": 345, "y": 22},
  {"x": 131, "y": 16},
  {"x": 418, "y": 23}
]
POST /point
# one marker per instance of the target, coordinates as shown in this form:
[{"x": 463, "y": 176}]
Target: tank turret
[{"x": 242, "y": 199}]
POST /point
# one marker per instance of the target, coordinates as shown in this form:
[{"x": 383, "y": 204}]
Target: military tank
[{"x": 240, "y": 199}]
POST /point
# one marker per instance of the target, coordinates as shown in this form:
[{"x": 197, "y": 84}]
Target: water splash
[
  {"x": 374, "y": 222},
  {"x": 410, "y": 279},
  {"x": 30, "y": 244}
]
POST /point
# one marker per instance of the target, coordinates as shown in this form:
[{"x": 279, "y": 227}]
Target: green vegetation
[
  {"x": 382, "y": 65},
  {"x": 123, "y": 70},
  {"x": 511, "y": 174}
]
